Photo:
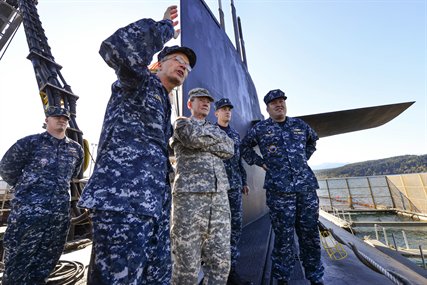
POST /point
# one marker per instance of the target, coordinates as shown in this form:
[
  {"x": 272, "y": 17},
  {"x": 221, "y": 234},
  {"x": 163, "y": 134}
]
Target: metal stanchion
[
  {"x": 422, "y": 256},
  {"x": 405, "y": 239},
  {"x": 385, "y": 236},
  {"x": 394, "y": 241},
  {"x": 376, "y": 232}
]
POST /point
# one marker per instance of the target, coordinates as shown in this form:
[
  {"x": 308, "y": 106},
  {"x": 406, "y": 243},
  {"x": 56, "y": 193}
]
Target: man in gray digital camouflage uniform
[
  {"x": 39, "y": 167},
  {"x": 286, "y": 144},
  {"x": 128, "y": 193},
  {"x": 200, "y": 210}
]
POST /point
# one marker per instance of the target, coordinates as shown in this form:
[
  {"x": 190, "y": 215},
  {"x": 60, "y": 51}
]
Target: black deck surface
[{"x": 256, "y": 245}]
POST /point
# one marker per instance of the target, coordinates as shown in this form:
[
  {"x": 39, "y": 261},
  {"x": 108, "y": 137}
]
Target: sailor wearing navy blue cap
[
  {"x": 39, "y": 168},
  {"x": 223, "y": 102},
  {"x": 237, "y": 178},
  {"x": 274, "y": 94},
  {"x": 55, "y": 111},
  {"x": 286, "y": 144},
  {"x": 173, "y": 53},
  {"x": 129, "y": 194}
]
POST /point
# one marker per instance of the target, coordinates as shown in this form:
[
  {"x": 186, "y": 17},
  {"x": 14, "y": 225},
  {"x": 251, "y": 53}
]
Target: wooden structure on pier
[{"x": 406, "y": 193}]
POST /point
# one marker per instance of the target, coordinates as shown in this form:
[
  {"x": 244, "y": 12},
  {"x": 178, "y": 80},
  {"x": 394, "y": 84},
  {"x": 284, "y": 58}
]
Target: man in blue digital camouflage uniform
[
  {"x": 286, "y": 144},
  {"x": 237, "y": 178},
  {"x": 40, "y": 168},
  {"x": 128, "y": 193}
]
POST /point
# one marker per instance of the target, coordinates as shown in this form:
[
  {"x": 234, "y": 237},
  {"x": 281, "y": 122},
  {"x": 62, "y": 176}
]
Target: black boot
[
  {"x": 316, "y": 283},
  {"x": 282, "y": 282},
  {"x": 235, "y": 279}
]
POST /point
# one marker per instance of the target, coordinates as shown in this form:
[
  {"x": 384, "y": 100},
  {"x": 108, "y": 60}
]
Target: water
[{"x": 416, "y": 236}]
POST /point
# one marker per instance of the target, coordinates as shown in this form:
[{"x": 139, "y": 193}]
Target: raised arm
[{"x": 130, "y": 49}]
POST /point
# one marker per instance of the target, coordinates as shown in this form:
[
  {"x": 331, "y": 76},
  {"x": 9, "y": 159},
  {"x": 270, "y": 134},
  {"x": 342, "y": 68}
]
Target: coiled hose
[{"x": 66, "y": 273}]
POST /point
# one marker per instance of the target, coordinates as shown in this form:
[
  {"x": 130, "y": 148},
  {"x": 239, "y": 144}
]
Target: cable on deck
[
  {"x": 393, "y": 276},
  {"x": 66, "y": 273}
]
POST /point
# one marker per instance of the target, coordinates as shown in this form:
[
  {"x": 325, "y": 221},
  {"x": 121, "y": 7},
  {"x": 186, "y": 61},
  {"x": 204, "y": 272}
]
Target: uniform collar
[
  {"x": 224, "y": 128},
  {"x": 53, "y": 139},
  {"x": 199, "y": 122},
  {"x": 286, "y": 121}
]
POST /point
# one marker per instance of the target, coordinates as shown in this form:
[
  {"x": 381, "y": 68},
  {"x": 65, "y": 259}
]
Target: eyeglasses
[{"x": 180, "y": 60}]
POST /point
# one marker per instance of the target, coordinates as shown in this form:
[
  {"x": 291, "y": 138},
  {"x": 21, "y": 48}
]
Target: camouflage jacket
[
  {"x": 132, "y": 161},
  {"x": 233, "y": 166},
  {"x": 285, "y": 149},
  {"x": 199, "y": 148},
  {"x": 40, "y": 168}
]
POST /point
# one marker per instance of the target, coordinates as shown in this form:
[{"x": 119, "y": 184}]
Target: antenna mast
[
  {"x": 221, "y": 16},
  {"x": 236, "y": 29}
]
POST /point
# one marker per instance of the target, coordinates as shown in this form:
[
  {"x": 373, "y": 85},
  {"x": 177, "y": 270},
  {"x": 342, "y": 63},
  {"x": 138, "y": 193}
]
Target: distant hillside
[
  {"x": 394, "y": 165},
  {"x": 327, "y": 165}
]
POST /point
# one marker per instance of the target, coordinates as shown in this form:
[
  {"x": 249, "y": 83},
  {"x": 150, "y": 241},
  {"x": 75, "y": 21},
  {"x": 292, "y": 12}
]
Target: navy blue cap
[
  {"x": 174, "y": 49},
  {"x": 222, "y": 103},
  {"x": 200, "y": 92},
  {"x": 274, "y": 94},
  {"x": 54, "y": 111}
]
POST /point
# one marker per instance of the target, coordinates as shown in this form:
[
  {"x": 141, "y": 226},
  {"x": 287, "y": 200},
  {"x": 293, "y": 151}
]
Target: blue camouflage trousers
[
  {"x": 33, "y": 243},
  {"x": 130, "y": 249},
  {"x": 236, "y": 209},
  {"x": 298, "y": 212}
]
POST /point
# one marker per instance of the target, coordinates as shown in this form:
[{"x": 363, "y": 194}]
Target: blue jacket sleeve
[
  {"x": 79, "y": 163},
  {"x": 242, "y": 169},
  {"x": 14, "y": 161},
  {"x": 130, "y": 49},
  {"x": 248, "y": 153},
  {"x": 311, "y": 142},
  {"x": 243, "y": 172}
]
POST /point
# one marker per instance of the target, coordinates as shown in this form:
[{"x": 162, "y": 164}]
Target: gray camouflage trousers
[{"x": 200, "y": 231}]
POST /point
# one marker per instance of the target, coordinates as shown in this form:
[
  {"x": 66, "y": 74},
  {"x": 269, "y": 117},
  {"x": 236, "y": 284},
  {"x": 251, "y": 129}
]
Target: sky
[{"x": 326, "y": 55}]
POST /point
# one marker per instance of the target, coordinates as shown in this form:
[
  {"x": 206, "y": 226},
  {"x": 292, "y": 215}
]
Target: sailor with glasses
[{"x": 128, "y": 194}]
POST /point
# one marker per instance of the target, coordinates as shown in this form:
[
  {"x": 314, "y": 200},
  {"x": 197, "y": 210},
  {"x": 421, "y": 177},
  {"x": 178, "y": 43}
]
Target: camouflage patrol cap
[
  {"x": 222, "y": 103},
  {"x": 54, "y": 111},
  {"x": 274, "y": 94},
  {"x": 174, "y": 49},
  {"x": 199, "y": 92}
]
